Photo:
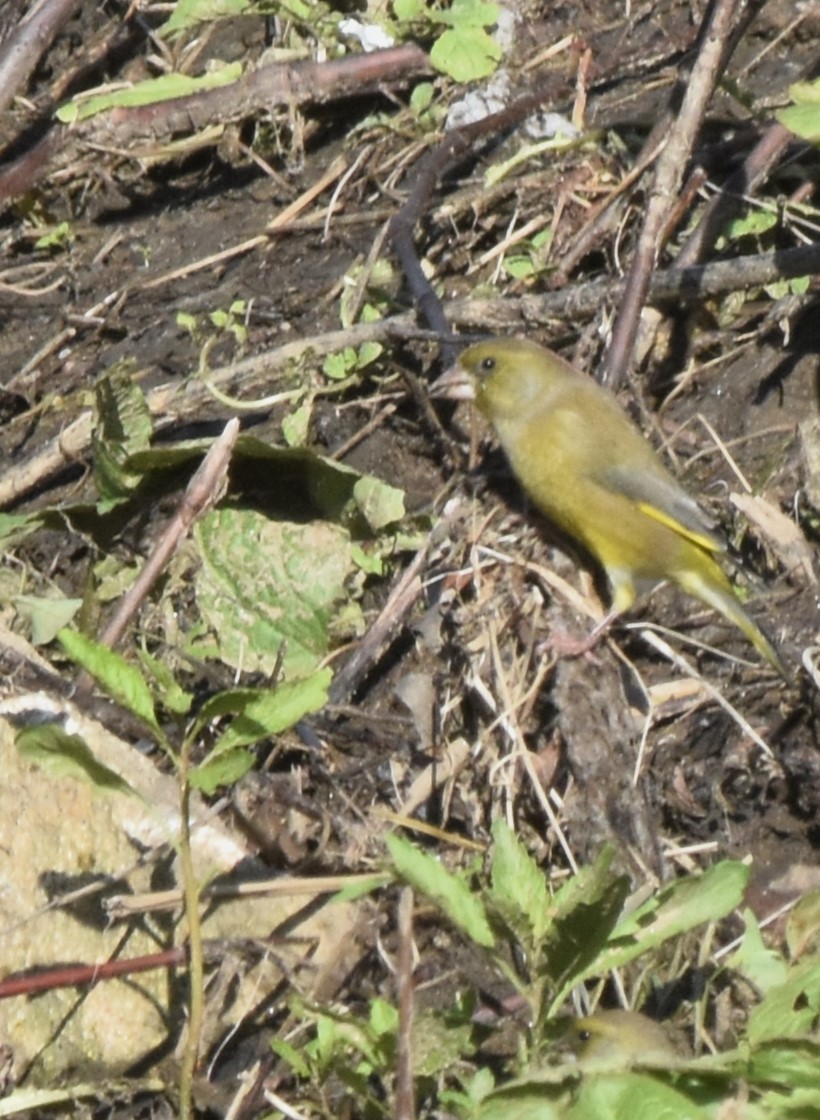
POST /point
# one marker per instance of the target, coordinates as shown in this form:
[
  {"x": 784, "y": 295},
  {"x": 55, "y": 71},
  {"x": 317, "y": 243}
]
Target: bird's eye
[
  {"x": 585, "y": 1036},
  {"x": 487, "y": 365}
]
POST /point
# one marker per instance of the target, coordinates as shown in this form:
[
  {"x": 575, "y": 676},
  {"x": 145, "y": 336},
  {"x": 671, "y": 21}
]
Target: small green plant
[
  {"x": 529, "y": 258},
  {"x": 465, "y": 50},
  {"x": 803, "y": 116},
  {"x": 568, "y": 939}
]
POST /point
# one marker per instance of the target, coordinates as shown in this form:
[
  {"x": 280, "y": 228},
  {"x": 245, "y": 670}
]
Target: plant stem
[{"x": 196, "y": 972}]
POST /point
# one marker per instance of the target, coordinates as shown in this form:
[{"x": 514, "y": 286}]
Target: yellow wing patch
[{"x": 708, "y": 544}]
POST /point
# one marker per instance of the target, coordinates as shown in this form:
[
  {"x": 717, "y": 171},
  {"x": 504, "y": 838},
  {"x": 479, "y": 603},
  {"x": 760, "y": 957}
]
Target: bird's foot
[{"x": 563, "y": 645}]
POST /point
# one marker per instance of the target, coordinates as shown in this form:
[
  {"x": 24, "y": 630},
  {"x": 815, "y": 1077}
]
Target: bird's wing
[{"x": 658, "y": 495}]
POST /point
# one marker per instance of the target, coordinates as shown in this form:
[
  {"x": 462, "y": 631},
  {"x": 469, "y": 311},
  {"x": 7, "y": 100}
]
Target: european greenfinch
[
  {"x": 620, "y": 1036},
  {"x": 590, "y": 470}
]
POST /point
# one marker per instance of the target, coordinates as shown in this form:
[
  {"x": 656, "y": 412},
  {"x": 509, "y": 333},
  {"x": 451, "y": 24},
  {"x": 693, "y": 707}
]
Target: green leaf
[
  {"x": 791, "y": 1009},
  {"x": 466, "y": 54},
  {"x": 122, "y": 427},
  {"x": 338, "y": 366},
  {"x": 632, "y": 1096},
  {"x": 296, "y": 425},
  {"x": 522, "y": 1103},
  {"x": 586, "y": 910},
  {"x": 55, "y": 751},
  {"x": 62, "y": 235},
  {"x": 14, "y": 527},
  {"x": 764, "y": 967},
  {"x": 269, "y": 590},
  {"x": 120, "y": 680},
  {"x": 520, "y": 268},
  {"x": 422, "y": 97},
  {"x": 803, "y": 118},
  {"x": 259, "y": 714},
  {"x": 292, "y": 1055},
  {"x": 519, "y": 887},
  {"x": 46, "y": 616},
  {"x": 681, "y": 906},
  {"x": 803, "y": 926},
  {"x": 439, "y": 1044},
  {"x": 148, "y": 92},
  {"x": 788, "y": 1064},
  {"x": 754, "y": 223},
  {"x": 171, "y": 695},
  {"x": 408, "y": 10},
  {"x": 467, "y": 13},
  {"x": 379, "y": 503},
  {"x": 451, "y": 894},
  {"x": 209, "y": 775}
]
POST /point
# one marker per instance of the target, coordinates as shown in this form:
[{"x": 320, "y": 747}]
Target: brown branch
[
  {"x": 255, "y": 91},
  {"x": 78, "y": 975},
  {"x": 729, "y": 201},
  {"x": 203, "y": 491},
  {"x": 24, "y": 48},
  {"x": 668, "y": 176},
  {"x": 404, "y": 594}
]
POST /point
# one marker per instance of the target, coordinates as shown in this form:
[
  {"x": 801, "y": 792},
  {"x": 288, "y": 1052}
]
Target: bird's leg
[{"x": 565, "y": 646}]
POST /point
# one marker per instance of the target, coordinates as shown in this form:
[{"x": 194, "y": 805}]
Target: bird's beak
[{"x": 455, "y": 384}]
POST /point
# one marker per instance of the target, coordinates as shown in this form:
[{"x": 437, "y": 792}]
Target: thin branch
[
  {"x": 668, "y": 176},
  {"x": 23, "y": 49},
  {"x": 203, "y": 491}
]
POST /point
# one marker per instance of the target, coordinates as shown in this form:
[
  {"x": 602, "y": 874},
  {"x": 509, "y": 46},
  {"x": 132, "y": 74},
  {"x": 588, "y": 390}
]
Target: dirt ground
[{"x": 677, "y": 763}]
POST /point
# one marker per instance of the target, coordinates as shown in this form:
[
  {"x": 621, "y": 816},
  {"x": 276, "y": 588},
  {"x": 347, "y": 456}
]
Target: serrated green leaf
[
  {"x": 585, "y": 912},
  {"x": 121, "y": 681},
  {"x": 172, "y": 696},
  {"x": 451, "y": 894},
  {"x": 61, "y": 754},
  {"x": 263, "y": 713},
  {"x": 518, "y": 886},
  {"x": 789, "y": 1064},
  {"x": 679, "y": 907},
  {"x": 122, "y": 426}
]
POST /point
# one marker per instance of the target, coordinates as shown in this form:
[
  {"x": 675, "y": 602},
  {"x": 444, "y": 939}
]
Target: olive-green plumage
[
  {"x": 622, "y": 1036},
  {"x": 589, "y": 469}
]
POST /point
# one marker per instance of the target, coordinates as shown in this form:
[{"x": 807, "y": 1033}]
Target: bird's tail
[{"x": 714, "y": 589}]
